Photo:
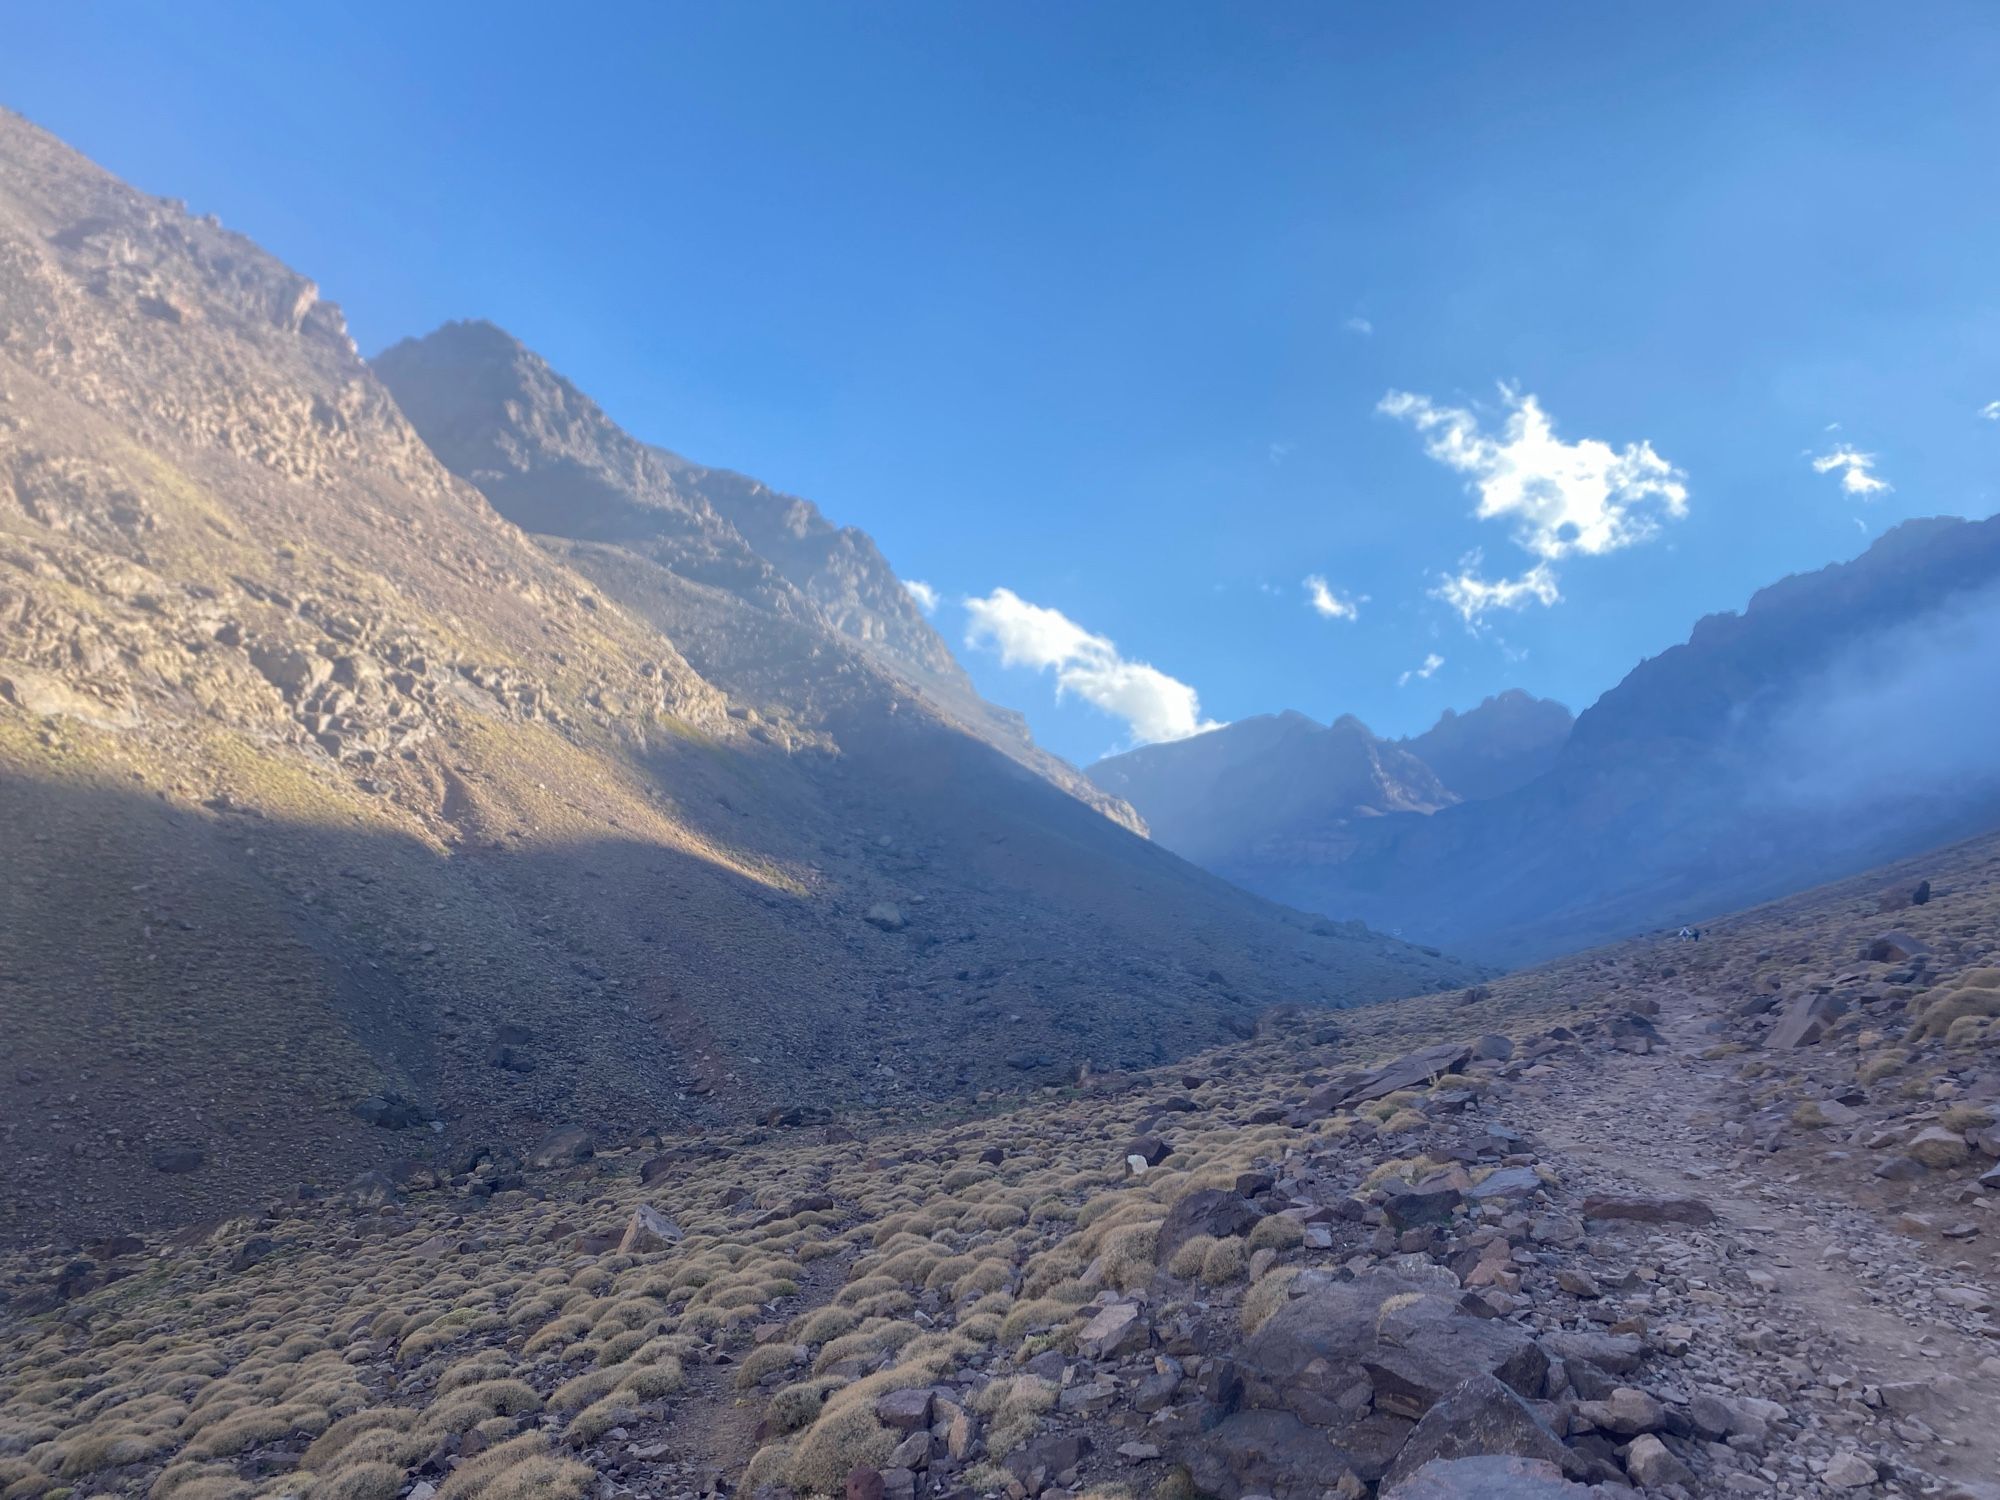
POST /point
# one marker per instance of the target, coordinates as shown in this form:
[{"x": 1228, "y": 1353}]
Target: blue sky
[{"x": 1147, "y": 314}]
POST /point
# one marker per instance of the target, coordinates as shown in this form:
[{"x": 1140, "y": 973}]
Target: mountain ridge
[{"x": 351, "y": 827}]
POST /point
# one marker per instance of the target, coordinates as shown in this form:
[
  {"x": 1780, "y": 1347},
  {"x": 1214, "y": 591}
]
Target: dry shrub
[
  {"x": 1013, "y": 1407},
  {"x": 841, "y": 1441},
  {"x": 1266, "y": 1297}
]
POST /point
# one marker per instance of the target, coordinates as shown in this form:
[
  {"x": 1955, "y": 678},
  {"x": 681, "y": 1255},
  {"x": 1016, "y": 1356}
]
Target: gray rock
[
  {"x": 1480, "y": 1416},
  {"x": 1489, "y": 1477},
  {"x": 1650, "y": 1210},
  {"x": 1412, "y": 1070},
  {"x": 905, "y": 1410},
  {"x": 1505, "y": 1184},
  {"x": 1211, "y": 1211},
  {"x": 1651, "y": 1465},
  {"x": 562, "y": 1148},
  {"x": 1620, "y": 1353},
  {"x": 647, "y": 1231},
  {"x": 1117, "y": 1331},
  {"x": 1805, "y": 1020}
]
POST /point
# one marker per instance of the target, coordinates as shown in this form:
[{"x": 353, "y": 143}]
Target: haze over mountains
[
  {"x": 1251, "y": 790},
  {"x": 346, "y": 819},
  {"x": 1844, "y": 718}
]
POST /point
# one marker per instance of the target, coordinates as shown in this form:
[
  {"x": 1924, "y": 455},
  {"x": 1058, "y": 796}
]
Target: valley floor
[{"x": 1685, "y": 1219}]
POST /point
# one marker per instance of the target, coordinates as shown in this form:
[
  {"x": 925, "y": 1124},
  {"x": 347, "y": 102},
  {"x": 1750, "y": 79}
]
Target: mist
[{"x": 1906, "y": 719}]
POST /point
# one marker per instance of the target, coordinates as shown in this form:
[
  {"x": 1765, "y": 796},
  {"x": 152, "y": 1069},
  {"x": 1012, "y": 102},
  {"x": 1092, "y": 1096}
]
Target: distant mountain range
[
  {"x": 397, "y": 763},
  {"x": 1272, "y": 787},
  {"x": 1844, "y": 718}
]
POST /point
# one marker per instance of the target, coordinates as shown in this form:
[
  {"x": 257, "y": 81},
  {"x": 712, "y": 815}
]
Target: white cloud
[
  {"x": 1564, "y": 498},
  {"x": 1991, "y": 411},
  {"x": 1856, "y": 470},
  {"x": 1432, "y": 661},
  {"x": 1329, "y": 604},
  {"x": 1359, "y": 325},
  {"x": 1474, "y": 597},
  {"x": 1157, "y": 707},
  {"x": 924, "y": 594},
  {"x": 1279, "y": 452}
]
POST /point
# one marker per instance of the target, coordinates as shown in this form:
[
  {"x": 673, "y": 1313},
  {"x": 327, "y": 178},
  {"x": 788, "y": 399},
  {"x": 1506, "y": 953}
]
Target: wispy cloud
[
  {"x": 1563, "y": 499},
  {"x": 1473, "y": 598},
  {"x": 1432, "y": 661},
  {"x": 1156, "y": 706},
  {"x": 1856, "y": 470},
  {"x": 1278, "y": 453},
  {"x": 1359, "y": 325},
  {"x": 923, "y": 593},
  {"x": 1330, "y": 604},
  {"x": 1991, "y": 411}
]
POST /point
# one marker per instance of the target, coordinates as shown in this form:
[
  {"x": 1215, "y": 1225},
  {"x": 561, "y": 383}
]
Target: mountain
[
  {"x": 349, "y": 825},
  {"x": 768, "y": 598},
  {"x": 1277, "y": 789},
  {"x": 1843, "y": 718},
  {"x": 1234, "y": 794},
  {"x": 1504, "y": 743}
]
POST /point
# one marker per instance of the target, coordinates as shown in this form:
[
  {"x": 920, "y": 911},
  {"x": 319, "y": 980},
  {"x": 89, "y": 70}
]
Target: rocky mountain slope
[
  {"x": 770, "y": 600},
  {"x": 1260, "y": 787},
  {"x": 1837, "y": 722},
  {"x": 1279, "y": 789},
  {"x": 345, "y": 823},
  {"x": 1504, "y": 743},
  {"x": 1669, "y": 1219}
]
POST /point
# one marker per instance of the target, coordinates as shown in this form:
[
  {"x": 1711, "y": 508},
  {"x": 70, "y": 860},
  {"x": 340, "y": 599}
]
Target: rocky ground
[{"x": 1623, "y": 1224}]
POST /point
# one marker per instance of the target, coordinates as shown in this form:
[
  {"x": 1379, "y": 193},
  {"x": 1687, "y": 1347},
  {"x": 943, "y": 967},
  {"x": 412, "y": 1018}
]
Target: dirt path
[
  {"x": 710, "y": 1431},
  {"x": 1825, "y": 1283}
]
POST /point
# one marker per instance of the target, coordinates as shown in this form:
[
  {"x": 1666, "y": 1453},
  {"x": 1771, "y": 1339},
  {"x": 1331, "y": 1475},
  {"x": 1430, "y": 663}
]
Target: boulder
[
  {"x": 1275, "y": 1453},
  {"x": 1117, "y": 1331},
  {"x": 1652, "y": 1466},
  {"x": 1322, "y": 1353},
  {"x": 1487, "y": 1478},
  {"x": 904, "y": 1411},
  {"x": 1150, "y": 1149},
  {"x": 1426, "y": 1203},
  {"x": 1211, "y": 1211},
  {"x": 1426, "y": 1348},
  {"x": 1039, "y": 1462},
  {"x": 1649, "y": 1210},
  {"x": 1805, "y": 1020},
  {"x": 1939, "y": 1148},
  {"x": 1620, "y": 1353},
  {"x": 886, "y": 916},
  {"x": 183, "y": 1158},
  {"x": 371, "y": 1189},
  {"x": 1480, "y": 1416},
  {"x": 562, "y": 1148},
  {"x": 1505, "y": 1185},
  {"x": 1627, "y": 1411},
  {"x": 1895, "y": 948},
  {"x": 1849, "y": 1471},
  {"x": 647, "y": 1231},
  {"x": 1412, "y": 1070}
]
